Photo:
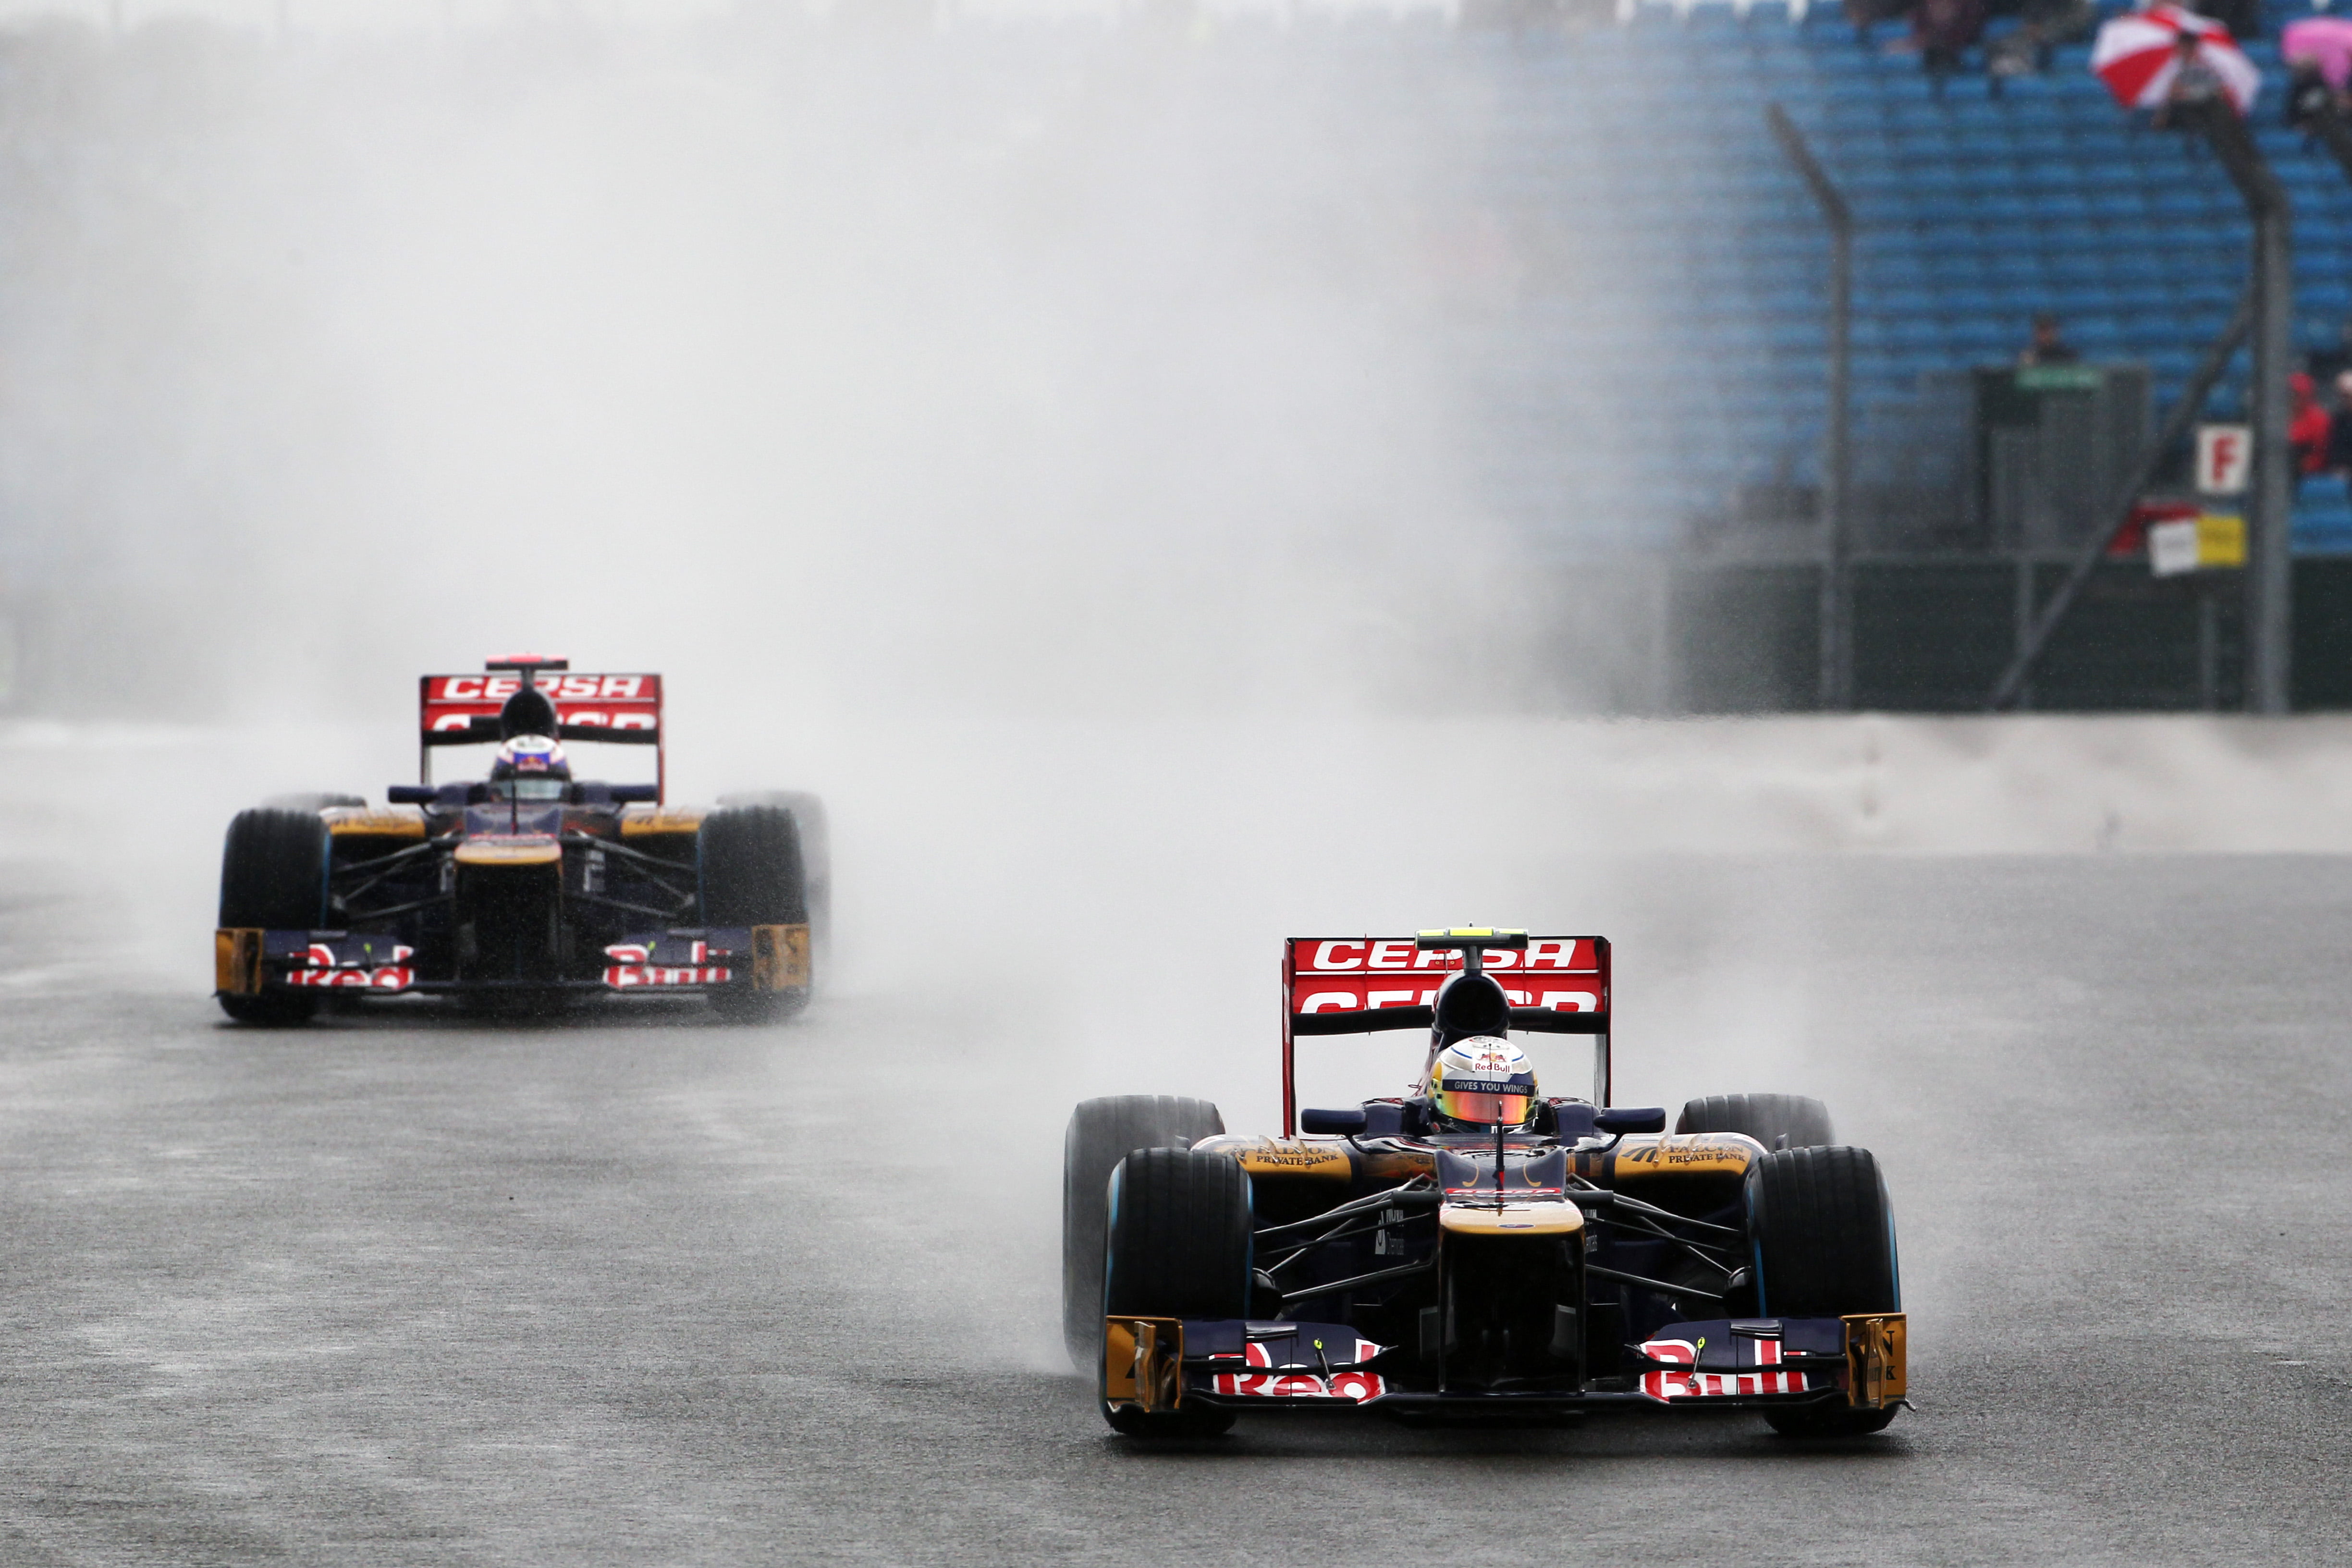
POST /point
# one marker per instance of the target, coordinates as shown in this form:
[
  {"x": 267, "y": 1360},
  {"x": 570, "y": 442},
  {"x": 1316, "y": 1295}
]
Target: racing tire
[
  {"x": 274, "y": 876},
  {"x": 1178, "y": 1247},
  {"x": 752, "y": 873},
  {"x": 1101, "y": 1133},
  {"x": 1802, "y": 1121},
  {"x": 1825, "y": 1239},
  {"x": 816, "y": 852}
]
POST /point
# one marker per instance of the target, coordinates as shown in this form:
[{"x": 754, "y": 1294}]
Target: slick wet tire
[
  {"x": 273, "y": 1011},
  {"x": 273, "y": 876},
  {"x": 752, "y": 869},
  {"x": 1824, "y": 1234},
  {"x": 1824, "y": 1238},
  {"x": 753, "y": 873},
  {"x": 1179, "y": 1239},
  {"x": 1178, "y": 1247},
  {"x": 1101, "y": 1133},
  {"x": 1768, "y": 1118},
  {"x": 816, "y": 852}
]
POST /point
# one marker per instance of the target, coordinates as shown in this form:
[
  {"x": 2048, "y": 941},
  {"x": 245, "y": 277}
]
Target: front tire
[
  {"x": 273, "y": 877},
  {"x": 1101, "y": 1133},
  {"x": 1824, "y": 1234},
  {"x": 816, "y": 853},
  {"x": 753, "y": 872},
  {"x": 274, "y": 1011},
  {"x": 1179, "y": 1247},
  {"x": 1836, "y": 1421}
]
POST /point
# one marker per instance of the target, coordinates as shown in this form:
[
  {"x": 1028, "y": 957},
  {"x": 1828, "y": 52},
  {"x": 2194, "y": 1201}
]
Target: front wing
[
  {"x": 1155, "y": 1364},
  {"x": 691, "y": 962}
]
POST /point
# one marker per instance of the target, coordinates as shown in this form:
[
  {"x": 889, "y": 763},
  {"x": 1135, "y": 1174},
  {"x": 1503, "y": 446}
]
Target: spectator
[
  {"x": 2309, "y": 98},
  {"x": 2194, "y": 85},
  {"x": 2339, "y": 428},
  {"x": 2318, "y": 55},
  {"x": 2048, "y": 346},
  {"x": 2309, "y": 430},
  {"x": 1942, "y": 30}
]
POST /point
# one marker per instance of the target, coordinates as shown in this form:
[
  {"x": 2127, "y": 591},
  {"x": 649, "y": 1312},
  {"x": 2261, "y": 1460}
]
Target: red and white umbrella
[{"x": 2138, "y": 56}]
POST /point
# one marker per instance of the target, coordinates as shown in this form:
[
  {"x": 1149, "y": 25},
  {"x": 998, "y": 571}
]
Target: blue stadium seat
[{"x": 1978, "y": 211}]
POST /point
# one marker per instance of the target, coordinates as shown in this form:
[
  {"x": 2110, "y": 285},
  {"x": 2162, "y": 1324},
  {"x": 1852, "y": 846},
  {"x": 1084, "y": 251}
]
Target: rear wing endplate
[
  {"x": 613, "y": 710},
  {"x": 1358, "y": 984}
]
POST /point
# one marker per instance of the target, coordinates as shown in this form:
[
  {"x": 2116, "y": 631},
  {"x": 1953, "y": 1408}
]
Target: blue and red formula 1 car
[
  {"x": 529, "y": 889},
  {"x": 1476, "y": 1249}
]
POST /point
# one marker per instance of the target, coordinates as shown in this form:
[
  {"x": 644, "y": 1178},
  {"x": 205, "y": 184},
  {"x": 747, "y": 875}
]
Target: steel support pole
[
  {"x": 2270, "y": 565},
  {"x": 1837, "y": 457}
]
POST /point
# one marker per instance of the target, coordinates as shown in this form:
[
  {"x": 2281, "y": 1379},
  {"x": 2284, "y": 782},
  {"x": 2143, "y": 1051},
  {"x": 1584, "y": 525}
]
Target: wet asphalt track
[{"x": 401, "y": 1293}]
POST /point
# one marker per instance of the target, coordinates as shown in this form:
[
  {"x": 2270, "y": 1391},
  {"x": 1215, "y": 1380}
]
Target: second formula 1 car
[
  {"x": 532, "y": 889},
  {"x": 1476, "y": 1248}
]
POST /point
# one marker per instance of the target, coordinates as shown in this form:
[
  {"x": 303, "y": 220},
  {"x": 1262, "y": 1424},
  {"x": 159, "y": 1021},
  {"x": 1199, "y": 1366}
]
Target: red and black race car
[
  {"x": 532, "y": 888},
  {"x": 1476, "y": 1249}
]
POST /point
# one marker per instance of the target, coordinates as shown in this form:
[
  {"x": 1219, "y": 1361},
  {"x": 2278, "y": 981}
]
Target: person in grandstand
[
  {"x": 2196, "y": 87},
  {"x": 2339, "y": 428},
  {"x": 2048, "y": 345},
  {"x": 2308, "y": 427}
]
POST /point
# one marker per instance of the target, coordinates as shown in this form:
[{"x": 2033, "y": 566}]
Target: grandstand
[{"x": 1978, "y": 206}]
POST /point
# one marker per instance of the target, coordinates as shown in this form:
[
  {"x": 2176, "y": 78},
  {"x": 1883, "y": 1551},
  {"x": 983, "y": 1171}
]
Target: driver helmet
[
  {"x": 1482, "y": 1081},
  {"x": 527, "y": 759}
]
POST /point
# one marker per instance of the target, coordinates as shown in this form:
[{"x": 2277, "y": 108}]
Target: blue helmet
[
  {"x": 532, "y": 756},
  {"x": 531, "y": 767}
]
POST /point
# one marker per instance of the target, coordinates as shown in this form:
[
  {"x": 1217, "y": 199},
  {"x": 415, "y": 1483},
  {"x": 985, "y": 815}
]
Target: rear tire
[
  {"x": 1179, "y": 1247},
  {"x": 1767, "y": 1118},
  {"x": 1825, "y": 1239},
  {"x": 273, "y": 876},
  {"x": 753, "y": 873},
  {"x": 1101, "y": 1133}
]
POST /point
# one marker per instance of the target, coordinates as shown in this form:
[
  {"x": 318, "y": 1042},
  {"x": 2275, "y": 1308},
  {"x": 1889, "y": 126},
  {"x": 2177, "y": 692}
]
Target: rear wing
[
  {"x": 1358, "y": 985},
  {"x": 463, "y": 710}
]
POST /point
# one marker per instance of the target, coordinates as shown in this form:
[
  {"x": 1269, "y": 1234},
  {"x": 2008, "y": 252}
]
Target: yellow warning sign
[{"x": 2221, "y": 539}]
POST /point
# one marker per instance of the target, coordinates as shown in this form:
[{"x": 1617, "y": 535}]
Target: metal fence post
[
  {"x": 2270, "y": 565},
  {"x": 1837, "y": 464}
]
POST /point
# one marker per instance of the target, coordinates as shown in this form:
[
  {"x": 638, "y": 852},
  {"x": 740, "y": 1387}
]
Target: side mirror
[
  {"x": 635, "y": 793},
  {"x": 1349, "y": 1120},
  {"x": 411, "y": 795},
  {"x": 1631, "y": 1119}
]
